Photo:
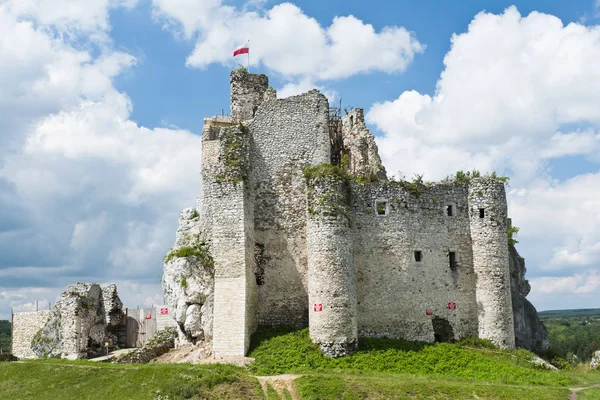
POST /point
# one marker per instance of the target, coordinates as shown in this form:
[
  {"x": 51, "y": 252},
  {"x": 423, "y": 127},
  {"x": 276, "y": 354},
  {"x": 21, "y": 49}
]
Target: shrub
[
  {"x": 474, "y": 341},
  {"x": 511, "y": 232}
]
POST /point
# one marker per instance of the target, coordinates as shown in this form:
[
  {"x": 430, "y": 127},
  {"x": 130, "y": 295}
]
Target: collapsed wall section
[
  {"x": 413, "y": 260},
  {"x": 359, "y": 147},
  {"x": 287, "y": 135},
  {"x": 488, "y": 226},
  {"x": 331, "y": 277}
]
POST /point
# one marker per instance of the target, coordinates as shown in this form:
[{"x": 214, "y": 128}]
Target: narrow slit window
[
  {"x": 450, "y": 210},
  {"x": 381, "y": 207},
  {"x": 418, "y": 256},
  {"x": 453, "y": 260},
  {"x": 481, "y": 212}
]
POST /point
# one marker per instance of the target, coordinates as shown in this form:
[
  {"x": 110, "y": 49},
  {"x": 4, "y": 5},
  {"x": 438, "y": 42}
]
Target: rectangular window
[
  {"x": 418, "y": 256},
  {"x": 453, "y": 259},
  {"x": 481, "y": 212},
  {"x": 381, "y": 207},
  {"x": 450, "y": 210}
]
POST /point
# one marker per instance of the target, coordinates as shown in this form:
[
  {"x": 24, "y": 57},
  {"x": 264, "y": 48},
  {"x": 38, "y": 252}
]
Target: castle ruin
[{"x": 296, "y": 224}]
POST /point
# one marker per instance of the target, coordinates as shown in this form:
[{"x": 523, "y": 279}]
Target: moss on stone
[
  {"x": 234, "y": 153},
  {"x": 196, "y": 248}
]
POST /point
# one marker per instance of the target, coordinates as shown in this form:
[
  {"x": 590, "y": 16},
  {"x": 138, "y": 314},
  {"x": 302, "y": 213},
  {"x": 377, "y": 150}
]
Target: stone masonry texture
[
  {"x": 25, "y": 326},
  {"x": 344, "y": 251}
]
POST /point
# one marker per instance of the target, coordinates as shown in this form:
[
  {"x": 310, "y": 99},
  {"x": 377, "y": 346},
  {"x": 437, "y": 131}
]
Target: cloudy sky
[{"x": 102, "y": 101}]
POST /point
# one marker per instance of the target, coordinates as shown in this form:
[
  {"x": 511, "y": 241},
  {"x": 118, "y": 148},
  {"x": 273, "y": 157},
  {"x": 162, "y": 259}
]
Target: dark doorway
[{"x": 442, "y": 330}]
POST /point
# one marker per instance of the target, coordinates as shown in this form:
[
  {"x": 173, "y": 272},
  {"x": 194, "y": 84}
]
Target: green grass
[
  {"x": 280, "y": 351},
  {"x": 271, "y": 393},
  {"x": 379, "y": 369},
  {"x": 589, "y": 394},
  {"x": 372, "y": 386},
  {"x": 64, "y": 380}
]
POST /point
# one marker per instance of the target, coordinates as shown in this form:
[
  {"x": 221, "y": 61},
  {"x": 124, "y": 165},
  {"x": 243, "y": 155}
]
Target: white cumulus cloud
[
  {"x": 91, "y": 195},
  {"x": 287, "y": 41}
]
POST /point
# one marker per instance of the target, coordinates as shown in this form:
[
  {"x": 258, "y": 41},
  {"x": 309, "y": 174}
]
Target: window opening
[
  {"x": 351, "y": 120},
  {"x": 418, "y": 256},
  {"x": 452, "y": 259},
  {"x": 481, "y": 212},
  {"x": 381, "y": 207},
  {"x": 450, "y": 210}
]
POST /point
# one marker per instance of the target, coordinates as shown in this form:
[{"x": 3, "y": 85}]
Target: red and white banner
[{"x": 242, "y": 50}]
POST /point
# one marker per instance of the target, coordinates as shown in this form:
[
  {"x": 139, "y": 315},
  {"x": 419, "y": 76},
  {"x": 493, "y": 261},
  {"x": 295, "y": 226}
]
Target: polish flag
[{"x": 245, "y": 49}]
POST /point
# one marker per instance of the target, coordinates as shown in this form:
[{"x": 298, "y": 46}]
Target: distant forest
[
  {"x": 574, "y": 334},
  {"x": 5, "y": 342}
]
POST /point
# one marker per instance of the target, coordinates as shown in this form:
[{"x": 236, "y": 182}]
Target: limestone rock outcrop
[
  {"x": 188, "y": 281},
  {"x": 530, "y": 332},
  {"x": 595, "y": 363},
  {"x": 82, "y": 320}
]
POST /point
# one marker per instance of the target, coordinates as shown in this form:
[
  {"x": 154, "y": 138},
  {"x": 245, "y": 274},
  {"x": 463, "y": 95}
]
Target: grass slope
[
  {"x": 380, "y": 369},
  {"x": 278, "y": 351},
  {"x": 65, "y": 380}
]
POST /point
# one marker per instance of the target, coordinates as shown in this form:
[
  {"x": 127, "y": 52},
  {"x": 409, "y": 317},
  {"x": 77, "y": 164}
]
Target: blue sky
[{"x": 102, "y": 103}]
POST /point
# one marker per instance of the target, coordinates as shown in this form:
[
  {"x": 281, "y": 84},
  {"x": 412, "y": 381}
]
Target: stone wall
[
  {"x": 287, "y": 135},
  {"x": 395, "y": 287},
  {"x": 247, "y": 94},
  {"x": 25, "y": 326},
  {"x": 232, "y": 248}
]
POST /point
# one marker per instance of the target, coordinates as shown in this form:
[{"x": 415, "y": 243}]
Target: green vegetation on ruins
[
  {"x": 465, "y": 177},
  {"x": 195, "y": 248},
  {"x": 241, "y": 69},
  {"x": 415, "y": 186},
  {"x": 511, "y": 233},
  {"x": 234, "y": 149}
]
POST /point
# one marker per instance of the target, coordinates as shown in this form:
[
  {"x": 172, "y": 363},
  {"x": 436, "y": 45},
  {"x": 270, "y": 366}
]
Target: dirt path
[
  {"x": 574, "y": 391},
  {"x": 280, "y": 383}
]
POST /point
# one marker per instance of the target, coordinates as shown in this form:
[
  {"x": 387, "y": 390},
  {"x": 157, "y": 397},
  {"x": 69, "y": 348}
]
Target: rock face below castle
[
  {"x": 188, "y": 281},
  {"x": 81, "y": 321},
  {"x": 296, "y": 224},
  {"x": 530, "y": 332}
]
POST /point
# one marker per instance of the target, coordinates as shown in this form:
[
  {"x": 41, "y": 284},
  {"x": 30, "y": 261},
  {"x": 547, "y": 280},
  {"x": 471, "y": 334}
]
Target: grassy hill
[{"x": 380, "y": 369}]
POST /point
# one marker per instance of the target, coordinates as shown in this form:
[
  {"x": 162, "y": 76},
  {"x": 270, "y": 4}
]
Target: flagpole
[{"x": 248, "y": 55}]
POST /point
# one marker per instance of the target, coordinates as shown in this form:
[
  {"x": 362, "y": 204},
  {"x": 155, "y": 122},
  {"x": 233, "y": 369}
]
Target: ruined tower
[
  {"x": 331, "y": 277},
  {"x": 488, "y": 225}
]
